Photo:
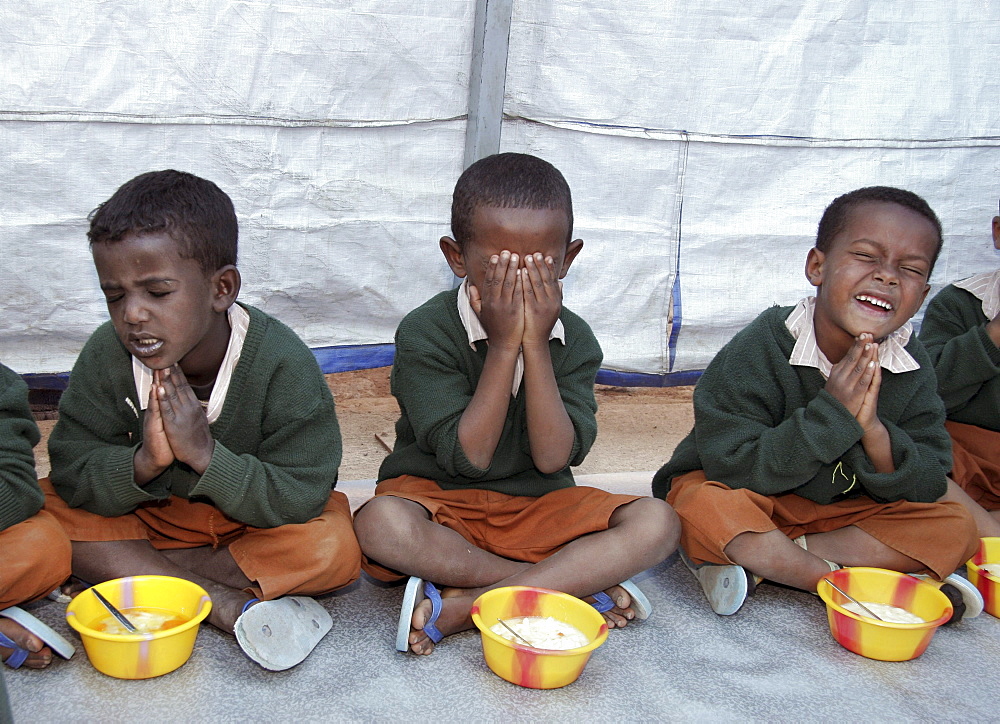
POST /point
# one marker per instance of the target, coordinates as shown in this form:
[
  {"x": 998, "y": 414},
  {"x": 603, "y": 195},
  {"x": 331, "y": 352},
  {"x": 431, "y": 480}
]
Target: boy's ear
[
  {"x": 226, "y": 282},
  {"x": 996, "y": 232},
  {"x": 814, "y": 266},
  {"x": 572, "y": 250},
  {"x": 453, "y": 253}
]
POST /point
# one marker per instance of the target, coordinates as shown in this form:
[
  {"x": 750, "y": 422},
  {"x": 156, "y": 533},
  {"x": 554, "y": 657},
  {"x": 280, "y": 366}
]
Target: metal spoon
[
  {"x": 115, "y": 612},
  {"x": 845, "y": 594},
  {"x": 516, "y": 634}
]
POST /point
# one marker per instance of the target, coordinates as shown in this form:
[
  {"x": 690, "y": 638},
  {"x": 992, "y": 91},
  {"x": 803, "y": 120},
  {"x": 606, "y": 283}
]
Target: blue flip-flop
[
  {"x": 31, "y": 624},
  {"x": 640, "y": 604},
  {"x": 416, "y": 590}
]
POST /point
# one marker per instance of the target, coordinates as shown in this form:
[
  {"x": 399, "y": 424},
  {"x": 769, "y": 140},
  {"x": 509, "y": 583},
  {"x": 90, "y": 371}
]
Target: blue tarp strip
[{"x": 368, "y": 356}]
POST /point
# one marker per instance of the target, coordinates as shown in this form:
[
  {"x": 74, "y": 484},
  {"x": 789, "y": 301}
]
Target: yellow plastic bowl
[
  {"x": 880, "y": 639},
  {"x": 987, "y": 583},
  {"x": 526, "y": 665},
  {"x": 140, "y": 656}
]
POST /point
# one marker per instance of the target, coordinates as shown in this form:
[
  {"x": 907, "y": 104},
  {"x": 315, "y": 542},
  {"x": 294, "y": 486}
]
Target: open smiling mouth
[
  {"x": 145, "y": 346},
  {"x": 880, "y": 304}
]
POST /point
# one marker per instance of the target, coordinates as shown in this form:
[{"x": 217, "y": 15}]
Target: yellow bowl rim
[
  {"x": 486, "y": 631},
  {"x": 74, "y": 621},
  {"x": 828, "y": 589}
]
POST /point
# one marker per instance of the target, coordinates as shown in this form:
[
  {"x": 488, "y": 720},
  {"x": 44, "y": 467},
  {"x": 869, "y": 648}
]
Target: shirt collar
[
  {"x": 477, "y": 333},
  {"x": 239, "y": 323},
  {"x": 892, "y": 354},
  {"x": 985, "y": 287}
]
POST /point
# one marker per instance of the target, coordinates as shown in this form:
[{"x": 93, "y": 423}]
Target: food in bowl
[
  {"x": 526, "y": 665},
  {"x": 140, "y": 655},
  {"x": 984, "y": 573},
  {"x": 542, "y": 632},
  {"x": 884, "y": 611},
  {"x": 882, "y": 640},
  {"x": 145, "y": 620}
]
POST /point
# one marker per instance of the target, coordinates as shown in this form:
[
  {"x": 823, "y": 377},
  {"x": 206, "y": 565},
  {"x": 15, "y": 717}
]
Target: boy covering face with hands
[{"x": 495, "y": 387}]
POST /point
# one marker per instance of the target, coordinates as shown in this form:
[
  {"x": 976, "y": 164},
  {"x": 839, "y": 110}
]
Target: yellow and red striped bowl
[
  {"x": 526, "y": 665},
  {"x": 987, "y": 583},
  {"x": 880, "y": 639},
  {"x": 140, "y": 656}
]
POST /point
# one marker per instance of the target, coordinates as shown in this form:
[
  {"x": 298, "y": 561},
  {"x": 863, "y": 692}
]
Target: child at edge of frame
[
  {"x": 495, "y": 384},
  {"x": 961, "y": 331},
  {"x": 197, "y": 437},
  {"x": 819, "y": 437},
  {"x": 34, "y": 549}
]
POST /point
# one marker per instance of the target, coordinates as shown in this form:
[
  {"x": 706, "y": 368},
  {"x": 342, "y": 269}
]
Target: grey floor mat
[{"x": 774, "y": 660}]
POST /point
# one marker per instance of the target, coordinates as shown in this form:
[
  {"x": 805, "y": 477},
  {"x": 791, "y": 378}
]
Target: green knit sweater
[
  {"x": 434, "y": 376},
  {"x": 20, "y": 496},
  {"x": 763, "y": 424},
  {"x": 277, "y": 440},
  {"x": 965, "y": 358}
]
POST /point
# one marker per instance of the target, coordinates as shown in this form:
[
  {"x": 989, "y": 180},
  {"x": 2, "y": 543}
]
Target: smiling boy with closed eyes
[{"x": 819, "y": 438}]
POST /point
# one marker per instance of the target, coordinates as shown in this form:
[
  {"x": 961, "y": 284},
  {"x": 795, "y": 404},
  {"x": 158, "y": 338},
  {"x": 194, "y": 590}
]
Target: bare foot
[
  {"x": 456, "y": 605},
  {"x": 40, "y": 655},
  {"x": 73, "y": 587},
  {"x": 622, "y": 613}
]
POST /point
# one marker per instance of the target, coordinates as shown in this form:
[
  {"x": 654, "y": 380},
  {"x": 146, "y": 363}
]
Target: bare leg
[
  {"x": 987, "y": 522},
  {"x": 40, "y": 655},
  {"x": 640, "y": 534},
  {"x": 99, "y": 561},
  {"x": 851, "y": 546},
  {"x": 215, "y": 564},
  {"x": 774, "y": 556}
]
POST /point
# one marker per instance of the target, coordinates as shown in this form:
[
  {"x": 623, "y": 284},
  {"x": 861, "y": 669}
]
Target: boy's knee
[
  {"x": 386, "y": 520},
  {"x": 654, "y": 520}
]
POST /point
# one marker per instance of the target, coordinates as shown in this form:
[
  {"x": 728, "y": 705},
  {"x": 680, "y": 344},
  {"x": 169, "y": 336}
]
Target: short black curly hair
[
  {"x": 837, "y": 214},
  {"x": 193, "y": 211},
  {"x": 508, "y": 181}
]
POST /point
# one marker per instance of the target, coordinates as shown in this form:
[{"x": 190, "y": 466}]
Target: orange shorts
[
  {"x": 942, "y": 536},
  {"x": 35, "y": 559},
  {"x": 976, "y": 466},
  {"x": 311, "y": 558},
  {"x": 519, "y": 527}
]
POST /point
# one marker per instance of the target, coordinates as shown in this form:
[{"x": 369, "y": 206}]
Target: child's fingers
[
  {"x": 475, "y": 300},
  {"x": 511, "y": 278},
  {"x": 533, "y": 284}
]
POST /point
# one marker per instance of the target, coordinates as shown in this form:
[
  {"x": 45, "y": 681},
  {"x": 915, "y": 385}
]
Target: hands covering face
[{"x": 518, "y": 306}]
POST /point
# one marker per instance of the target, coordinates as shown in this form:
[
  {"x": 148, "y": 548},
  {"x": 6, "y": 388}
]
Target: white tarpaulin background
[{"x": 701, "y": 140}]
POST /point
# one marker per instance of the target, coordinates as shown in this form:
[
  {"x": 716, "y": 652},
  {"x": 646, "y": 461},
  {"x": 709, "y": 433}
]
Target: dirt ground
[{"x": 638, "y": 427}]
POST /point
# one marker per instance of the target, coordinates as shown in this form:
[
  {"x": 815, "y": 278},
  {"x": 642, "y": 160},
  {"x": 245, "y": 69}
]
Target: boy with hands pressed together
[
  {"x": 198, "y": 438},
  {"x": 495, "y": 387},
  {"x": 819, "y": 438}
]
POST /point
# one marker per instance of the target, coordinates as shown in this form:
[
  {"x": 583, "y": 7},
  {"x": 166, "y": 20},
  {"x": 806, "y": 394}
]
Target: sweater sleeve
[
  {"x": 921, "y": 447},
  {"x": 575, "y": 379},
  {"x": 289, "y": 477},
  {"x": 20, "y": 496},
  {"x": 93, "y": 444},
  {"x": 434, "y": 410},
  {"x": 743, "y": 436},
  {"x": 964, "y": 356}
]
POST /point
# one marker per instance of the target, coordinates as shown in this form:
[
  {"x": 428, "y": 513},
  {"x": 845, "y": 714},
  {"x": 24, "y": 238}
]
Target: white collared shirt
[
  {"x": 985, "y": 287},
  {"x": 239, "y": 322},
  {"x": 892, "y": 354},
  {"x": 476, "y": 332}
]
